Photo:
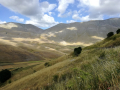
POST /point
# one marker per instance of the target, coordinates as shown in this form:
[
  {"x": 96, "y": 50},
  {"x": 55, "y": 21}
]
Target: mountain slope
[
  {"x": 93, "y": 69},
  {"x": 15, "y": 54},
  {"x": 24, "y": 40},
  {"x": 57, "y": 40},
  {"x": 84, "y": 33},
  {"x": 21, "y": 27}
]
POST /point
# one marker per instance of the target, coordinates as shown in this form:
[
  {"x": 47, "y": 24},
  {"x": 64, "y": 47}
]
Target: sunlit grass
[{"x": 95, "y": 68}]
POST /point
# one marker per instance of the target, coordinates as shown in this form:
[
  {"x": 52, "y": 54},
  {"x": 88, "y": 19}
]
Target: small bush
[
  {"x": 9, "y": 81},
  {"x": 77, "y": 51},
  {"x": 4, "y": 75},
  {"x": 110, "y": 34},
  {"x": 55, "y": 78},
  {"x": 34, "y": 71},
  {"x": 47, "y": 64},
  {"x": 118, "y": 31},
  {"x": 63, "y": 77}
]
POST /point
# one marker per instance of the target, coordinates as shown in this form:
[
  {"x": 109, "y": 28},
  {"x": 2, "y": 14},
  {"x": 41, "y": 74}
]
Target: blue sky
[{"x": 47, "y": 13}]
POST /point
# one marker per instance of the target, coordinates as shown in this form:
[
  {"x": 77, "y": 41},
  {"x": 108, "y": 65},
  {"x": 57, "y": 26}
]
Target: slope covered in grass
[
  {"x": 15, "y": 54},
  {"x": 110, "y": 42},
  {"x": 23, "y": 53},
  {"x": 96, "y": 68}
]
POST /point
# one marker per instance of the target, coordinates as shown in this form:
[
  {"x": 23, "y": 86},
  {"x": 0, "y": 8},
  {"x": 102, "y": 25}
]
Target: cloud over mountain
[
  {"x": 17, "y": 18},
  {"x": 47, "y": 13},
  {"x": 32, "y": 9}
]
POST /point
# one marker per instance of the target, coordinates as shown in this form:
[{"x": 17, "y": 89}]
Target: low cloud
[
  {"x": 70, "y": 21},
  {"x": 45, "y": 21},
  {"x": 76, "y": 17},
  {"x": 1, "y": 22},
  {"x": 17, "y": 18}
]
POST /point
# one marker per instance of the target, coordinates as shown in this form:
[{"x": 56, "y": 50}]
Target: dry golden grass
[
  {"x": 23, "y": 53},
  {"x": 39, "y": 78},
  {"x": 93, "y": 69},
  {"x": 14, "y": 54},
  {"x": 62, "y": 65}
]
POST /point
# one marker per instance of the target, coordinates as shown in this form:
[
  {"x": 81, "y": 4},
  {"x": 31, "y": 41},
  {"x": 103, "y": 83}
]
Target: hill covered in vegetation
[{"x": 96, "y": 68}]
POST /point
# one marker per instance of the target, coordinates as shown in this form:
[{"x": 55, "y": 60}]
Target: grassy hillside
[
  {"x": 22, "y": 53},
  {"x": 96, "y": 68},
  {"x": 14, "y": 54},
  {"x": 107, "y": 43}
]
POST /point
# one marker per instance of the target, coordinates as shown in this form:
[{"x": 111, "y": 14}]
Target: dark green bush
[
  {"x": 118, "y": 31},
  {"x": 55, "y": 78},
  {"x": 77, "y": 51},
  {"x": 47, "y": 64},
  {"x": 110, "y": 34},
  {"x": 4, "y": 75},
  {"x": 9, "y": 81},
  {"x": 63, "y": 77},
  {"x": 34, "y": 71}
]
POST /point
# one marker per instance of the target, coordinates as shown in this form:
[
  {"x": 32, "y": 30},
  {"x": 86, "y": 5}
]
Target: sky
[{"x": 47, "y": 13}]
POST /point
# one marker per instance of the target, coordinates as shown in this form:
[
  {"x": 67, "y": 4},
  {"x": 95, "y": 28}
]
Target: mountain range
[{"x": 52, "y": 42}]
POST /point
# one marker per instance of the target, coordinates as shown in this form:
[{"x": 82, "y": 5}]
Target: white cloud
[
  {"x": 46, "y": 7},
  {"x": 17, "y": 18},
  {"x": 45, "y": 21},
  {"x": 67, "y": 14},
  {"x": 25, "y": 7},
  {"x": 76, "y": 16},
  {"x": 97, "y": 8},
  {"x": 63, "y": 5},
  {"x": 50, "y": 13},
  {"x": 70, "y": 21},
  {"x": 32, "y": 9},
  {"x": 94, "y": 3},
  {"x": 1, "y": 22},
  {"x": 87, "y": 18}
]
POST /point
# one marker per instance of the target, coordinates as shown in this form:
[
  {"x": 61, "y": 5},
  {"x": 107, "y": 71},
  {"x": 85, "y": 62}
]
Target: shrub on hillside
[
  {"x": 110, "y": 34},
  {"x": 55, "y": 78},
  {"x": 118, "y": 31},
  {"x": 47, "y": 64},
  {"x": 4, "y": 75},
  {"x": 9, "y": 81},
  {"x": 77, "y": 51}
]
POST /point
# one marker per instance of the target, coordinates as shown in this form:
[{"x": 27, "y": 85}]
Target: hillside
[
  {"x": 81, "y": 33},
  {"x": 96, "y": 68},
  {"x": 20, "y": 43},
  {"x": 78, "y": 33},
  {"x": 111, "y": 42}
]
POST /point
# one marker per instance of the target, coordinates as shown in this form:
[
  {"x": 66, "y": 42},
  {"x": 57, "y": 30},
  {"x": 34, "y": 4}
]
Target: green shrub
[
  {"x": 77, "y": 51},
  {"x": 114, "y": 38},
  {"x": 63, "y": 77},
  {"x": 118, "y": 31},
  {"x": 47, "y": 64},
  {"x": 110, "y": 34},
  {"x": 34, "y": 71},
  {"x": 4, "y": 75},
  {"x": 55, "y": 78},
  {"x": 9, "y": 81}
]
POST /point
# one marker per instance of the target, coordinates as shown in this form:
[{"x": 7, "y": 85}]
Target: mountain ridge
[{"x": 77, "y": 33}]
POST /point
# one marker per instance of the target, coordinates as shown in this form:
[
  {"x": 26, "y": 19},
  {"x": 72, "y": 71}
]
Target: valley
[{"x": 44, "y": 59}]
